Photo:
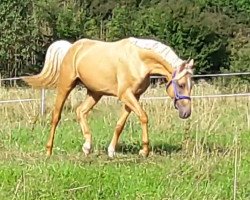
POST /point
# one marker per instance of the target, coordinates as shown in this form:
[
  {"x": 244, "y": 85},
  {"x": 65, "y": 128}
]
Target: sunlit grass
[{"x": 199, "y": 158}]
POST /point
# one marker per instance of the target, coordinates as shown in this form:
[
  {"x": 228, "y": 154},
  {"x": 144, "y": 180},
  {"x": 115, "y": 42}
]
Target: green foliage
[
  {"x": 240, "y": 57},
  {"x": 188, "y": 33},
  {"x": 18, "y": 36},
  {"x": 205, "y": 30},
  {"x": 120, "y": 23}
]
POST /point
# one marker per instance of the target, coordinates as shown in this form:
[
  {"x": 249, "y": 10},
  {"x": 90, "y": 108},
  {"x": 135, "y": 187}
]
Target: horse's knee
[
  {"x": 78, "y": 113},
  {"x": 144, "y": 118},
  {"x": 81, "y": 113},
  {"x": 55, "y": 118}
]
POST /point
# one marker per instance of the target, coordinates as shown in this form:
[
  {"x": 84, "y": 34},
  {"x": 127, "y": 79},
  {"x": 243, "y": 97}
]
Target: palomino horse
[{"x": 120, "y": 69}]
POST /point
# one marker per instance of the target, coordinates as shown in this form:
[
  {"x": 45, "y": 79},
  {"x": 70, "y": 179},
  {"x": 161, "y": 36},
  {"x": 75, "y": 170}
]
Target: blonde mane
[{"x": 165, "y": 51}]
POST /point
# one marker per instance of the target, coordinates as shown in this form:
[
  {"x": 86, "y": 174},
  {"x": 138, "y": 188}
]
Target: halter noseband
[{"x": 177, "y": 95}]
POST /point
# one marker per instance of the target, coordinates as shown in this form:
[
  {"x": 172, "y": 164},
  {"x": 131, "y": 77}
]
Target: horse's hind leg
[
  {"x": 62, "y": 94},
  {"x": 82, "y": 112},
  {"x": 118, "y": 129},
  {"x": 65, "y": 85}
]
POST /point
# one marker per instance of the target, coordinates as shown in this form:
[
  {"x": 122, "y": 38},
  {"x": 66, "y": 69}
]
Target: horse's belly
[{"x": 97, "y": 83}]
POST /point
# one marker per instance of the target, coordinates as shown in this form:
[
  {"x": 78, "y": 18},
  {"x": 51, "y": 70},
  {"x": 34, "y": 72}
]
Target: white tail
[{"x": 48, "y": 77}]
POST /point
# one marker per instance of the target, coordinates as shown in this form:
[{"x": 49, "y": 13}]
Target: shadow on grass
[{"x": 159, "y": 149}]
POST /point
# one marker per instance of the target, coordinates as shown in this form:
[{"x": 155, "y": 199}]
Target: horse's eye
[{"x": 182, "y": 85}]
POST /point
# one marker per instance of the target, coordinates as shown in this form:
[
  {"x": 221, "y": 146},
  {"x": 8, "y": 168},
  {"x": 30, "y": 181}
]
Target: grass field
[{"x": 204, "y": 157}]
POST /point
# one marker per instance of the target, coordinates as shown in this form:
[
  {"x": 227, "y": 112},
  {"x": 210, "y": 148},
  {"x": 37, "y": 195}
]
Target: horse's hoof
[
  {"x": 143, "y": 153},
  {"x": 86, "y": 149},
  {"x": 48, "y": 153},
  {"x": 111, "y": 152}
]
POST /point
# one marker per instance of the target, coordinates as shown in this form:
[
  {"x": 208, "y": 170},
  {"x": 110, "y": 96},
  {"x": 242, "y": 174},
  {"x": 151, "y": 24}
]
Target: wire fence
[
  {"x": 212, "y": 75},
  {"x": 42, "y": 98},
  {"x": 202, "y": 96}
]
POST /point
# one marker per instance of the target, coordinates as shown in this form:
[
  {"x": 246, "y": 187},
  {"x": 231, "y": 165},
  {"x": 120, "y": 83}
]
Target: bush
[{"x": 214, "y": 33}]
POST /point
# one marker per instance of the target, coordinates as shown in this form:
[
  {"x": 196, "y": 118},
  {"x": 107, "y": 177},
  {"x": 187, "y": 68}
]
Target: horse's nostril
[
  {"x": 184, "y": 114},
  {"x": 187, "y": 114}
]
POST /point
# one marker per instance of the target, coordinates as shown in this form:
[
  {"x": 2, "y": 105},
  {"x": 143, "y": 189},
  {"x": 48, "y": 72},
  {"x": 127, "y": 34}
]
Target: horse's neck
[
  {"x": 155, "y": 63},
  {"x": 164, "y": 51}
]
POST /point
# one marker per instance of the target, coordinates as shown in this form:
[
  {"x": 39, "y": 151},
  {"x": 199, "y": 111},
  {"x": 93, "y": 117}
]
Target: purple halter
[{"x": 177, "y": 95}]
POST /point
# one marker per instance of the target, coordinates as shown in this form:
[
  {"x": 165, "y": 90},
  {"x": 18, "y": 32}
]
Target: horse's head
[{"x": 179, "y": 88}]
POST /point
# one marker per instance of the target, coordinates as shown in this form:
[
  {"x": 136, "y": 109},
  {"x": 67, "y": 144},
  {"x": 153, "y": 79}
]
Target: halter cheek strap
[{"x": 177, "y": 95}]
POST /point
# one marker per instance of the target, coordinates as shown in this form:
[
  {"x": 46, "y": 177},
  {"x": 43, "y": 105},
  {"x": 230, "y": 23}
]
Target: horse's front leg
[
  {"x": 118, "y": 129},
  {"x": 132, "y": 102},
  {"x": 82, "y": 112}
]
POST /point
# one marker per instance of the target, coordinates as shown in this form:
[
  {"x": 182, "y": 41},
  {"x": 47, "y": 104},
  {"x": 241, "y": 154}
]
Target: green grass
[{"x": 198, "y": 158}]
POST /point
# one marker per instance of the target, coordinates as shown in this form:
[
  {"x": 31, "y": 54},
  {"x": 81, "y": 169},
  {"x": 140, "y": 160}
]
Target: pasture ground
[{"x": 204, "y": 157}]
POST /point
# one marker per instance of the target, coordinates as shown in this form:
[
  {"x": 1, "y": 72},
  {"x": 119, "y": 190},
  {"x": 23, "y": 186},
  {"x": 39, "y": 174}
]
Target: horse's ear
[
  {"x": 182, "y": 67},
  {"x": 181, "y": 71},
  {"x": 191, "y": 64}
]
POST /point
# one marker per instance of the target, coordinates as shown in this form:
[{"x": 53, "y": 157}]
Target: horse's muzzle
[
  {"x": 185, "y": 114},
  {"x": 184, "y": 111}
]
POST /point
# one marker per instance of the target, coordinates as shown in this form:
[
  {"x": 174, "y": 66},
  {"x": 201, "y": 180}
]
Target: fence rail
[
  {"x": 155, "y": 77},
  {"x": 212, "y": 75},
  {"x": 201, "y": 96},
  {"x": 17, "y": 100},
  {"x": 10, "y": 79},
  {"x": 43, "y": 99}
]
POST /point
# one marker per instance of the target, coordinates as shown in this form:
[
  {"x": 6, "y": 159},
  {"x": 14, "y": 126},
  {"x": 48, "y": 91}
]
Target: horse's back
[{"x": 105, "y": 66}]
